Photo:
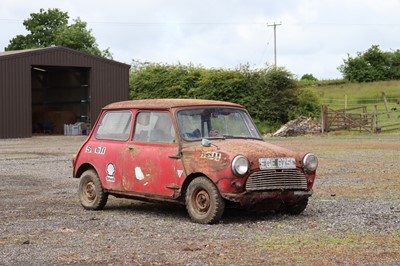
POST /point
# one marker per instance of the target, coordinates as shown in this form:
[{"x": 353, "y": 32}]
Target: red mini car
[{"x": 201, "y": 153}]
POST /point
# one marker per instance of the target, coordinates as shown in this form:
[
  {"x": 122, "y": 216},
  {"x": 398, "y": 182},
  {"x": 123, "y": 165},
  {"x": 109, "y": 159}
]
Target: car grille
[{"x": 277, "y": 179}]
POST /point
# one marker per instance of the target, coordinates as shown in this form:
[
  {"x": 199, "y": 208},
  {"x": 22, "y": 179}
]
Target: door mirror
[{"x": 205, "y": 143}]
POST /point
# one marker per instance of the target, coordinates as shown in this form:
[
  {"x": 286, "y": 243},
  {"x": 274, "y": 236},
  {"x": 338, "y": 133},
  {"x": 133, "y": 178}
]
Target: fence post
[
  {"x": 375, "y": 119},
  {"x": 322, "y": 119},
  {"x": 386, "y": 104}
]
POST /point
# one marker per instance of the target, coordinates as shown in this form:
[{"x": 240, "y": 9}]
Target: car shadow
[{"x": 178, "y": 212}]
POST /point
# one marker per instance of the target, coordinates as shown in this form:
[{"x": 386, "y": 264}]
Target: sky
[{"x": 312, "y": 37}]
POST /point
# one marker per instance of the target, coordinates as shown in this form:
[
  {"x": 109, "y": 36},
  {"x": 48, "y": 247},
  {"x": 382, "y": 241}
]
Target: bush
[
  {"x": 271, "y": 95},
  {"x": 309, "y": 104}
]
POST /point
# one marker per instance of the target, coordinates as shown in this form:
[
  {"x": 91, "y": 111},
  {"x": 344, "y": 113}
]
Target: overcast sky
[{"x": 314, "y": 36}]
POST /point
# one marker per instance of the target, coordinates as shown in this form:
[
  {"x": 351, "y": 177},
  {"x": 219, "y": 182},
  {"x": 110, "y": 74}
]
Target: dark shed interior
[{"x": 60, "y": 95}]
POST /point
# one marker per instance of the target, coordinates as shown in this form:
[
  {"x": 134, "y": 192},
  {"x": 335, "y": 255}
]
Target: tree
[
  {"x": 372, "y": 65},
  {"x": 48, "y": 28},
  {"x": 309, "y": 77}
]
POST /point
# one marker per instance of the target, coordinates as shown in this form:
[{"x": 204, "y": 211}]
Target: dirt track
[{"x": 353, "y": 217}]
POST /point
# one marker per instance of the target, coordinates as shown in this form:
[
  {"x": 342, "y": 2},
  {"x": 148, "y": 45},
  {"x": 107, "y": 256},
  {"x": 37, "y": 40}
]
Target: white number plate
[{"x": 277, "y": 163}]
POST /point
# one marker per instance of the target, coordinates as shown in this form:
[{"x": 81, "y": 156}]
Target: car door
[{"x": 151, "y": 164}]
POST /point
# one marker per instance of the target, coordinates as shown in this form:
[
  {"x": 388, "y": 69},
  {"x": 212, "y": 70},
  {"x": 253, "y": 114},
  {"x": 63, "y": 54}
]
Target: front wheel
[
  {"x": 203, "y": 201},
  {"x": 297, "y": 208},
  {"x": 91, "y": 193}
]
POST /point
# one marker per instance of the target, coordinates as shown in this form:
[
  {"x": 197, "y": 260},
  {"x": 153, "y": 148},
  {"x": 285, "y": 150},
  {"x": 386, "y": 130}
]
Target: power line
[{"x": 139, "y": 23}]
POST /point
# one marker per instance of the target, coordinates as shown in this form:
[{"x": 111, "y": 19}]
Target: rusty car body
[{"x": 202, "y": 153}]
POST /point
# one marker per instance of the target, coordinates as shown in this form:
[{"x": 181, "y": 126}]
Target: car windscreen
[{"x": 215, "y": 122}]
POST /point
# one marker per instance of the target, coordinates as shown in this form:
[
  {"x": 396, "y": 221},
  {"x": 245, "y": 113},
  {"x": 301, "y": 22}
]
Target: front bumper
[{"x": 267, "y": 199}]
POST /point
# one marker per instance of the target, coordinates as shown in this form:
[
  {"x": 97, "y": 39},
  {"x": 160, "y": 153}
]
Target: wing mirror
[{"x": 205, "y": 142}]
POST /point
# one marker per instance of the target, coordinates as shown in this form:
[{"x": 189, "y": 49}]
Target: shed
[{"x": 42, "y": 89}]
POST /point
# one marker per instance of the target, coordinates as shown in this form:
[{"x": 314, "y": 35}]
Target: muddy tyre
[
  {"x": 297, "y": 208},
  {"x": 203, "y": 201},
  {"x": 91, "y": 193}
]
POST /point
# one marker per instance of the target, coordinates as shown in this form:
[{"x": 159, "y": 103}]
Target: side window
[
  {"x": 115, "y": 125},
  {"x": 154, "y": 127}
]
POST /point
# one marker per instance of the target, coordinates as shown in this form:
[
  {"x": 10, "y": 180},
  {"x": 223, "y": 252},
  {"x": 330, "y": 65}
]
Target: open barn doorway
[{"x": 60, "y": 95}]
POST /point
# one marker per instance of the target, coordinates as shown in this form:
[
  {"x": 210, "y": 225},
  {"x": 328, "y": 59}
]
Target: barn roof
[{"x": 29, "y": 52}]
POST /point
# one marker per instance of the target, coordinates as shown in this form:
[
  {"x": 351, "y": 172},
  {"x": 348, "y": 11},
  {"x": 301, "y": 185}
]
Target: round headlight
[
  {"x": 310, "y": 162},
  {"x": 240, "y": 165}
]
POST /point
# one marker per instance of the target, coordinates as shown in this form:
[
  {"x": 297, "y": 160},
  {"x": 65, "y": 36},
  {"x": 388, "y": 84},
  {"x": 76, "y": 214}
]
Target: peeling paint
[{"x": 138, "y": 173}]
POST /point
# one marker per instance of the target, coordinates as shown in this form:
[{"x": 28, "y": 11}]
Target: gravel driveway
[{"x": 353, "y": 218}]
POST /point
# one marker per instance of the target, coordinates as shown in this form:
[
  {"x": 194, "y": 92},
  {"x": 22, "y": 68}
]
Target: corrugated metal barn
[{"x": 43, "y": 89}]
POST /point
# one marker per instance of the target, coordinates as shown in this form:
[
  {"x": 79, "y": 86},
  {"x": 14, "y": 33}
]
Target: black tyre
[
  {"x": 91, "y": 193},
  {"x": 297, "y": 208},
  {"x": 203, "y": 201}
]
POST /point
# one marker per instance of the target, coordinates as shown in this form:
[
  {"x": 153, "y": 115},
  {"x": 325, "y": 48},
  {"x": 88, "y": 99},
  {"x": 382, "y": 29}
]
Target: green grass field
[
  {"x": 340, "y": 95},
  {"x": 360, "y": 94}
]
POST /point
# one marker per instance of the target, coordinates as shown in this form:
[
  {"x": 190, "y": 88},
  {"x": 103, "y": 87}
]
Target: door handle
[{"x": 130, "y": 148}]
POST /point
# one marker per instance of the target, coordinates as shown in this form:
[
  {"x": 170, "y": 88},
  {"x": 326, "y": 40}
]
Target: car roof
[{"x": 167, "y": 104}]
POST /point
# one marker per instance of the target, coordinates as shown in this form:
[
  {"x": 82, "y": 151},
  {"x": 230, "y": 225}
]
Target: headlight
[
  {"x": 240, "y": 165},
  {"x": 310, "y": 162}
]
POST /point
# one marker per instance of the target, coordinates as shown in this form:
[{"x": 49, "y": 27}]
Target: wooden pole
[
  {"x": 386, "y": 104},
  {"x": 375, "y": 120}
]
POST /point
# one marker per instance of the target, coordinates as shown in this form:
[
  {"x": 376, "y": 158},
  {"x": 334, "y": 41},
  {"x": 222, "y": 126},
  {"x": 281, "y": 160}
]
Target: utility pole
[{"x": 274, "y": 25}]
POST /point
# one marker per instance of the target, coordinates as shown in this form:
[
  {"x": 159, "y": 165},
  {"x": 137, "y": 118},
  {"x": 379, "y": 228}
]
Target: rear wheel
[
  {"x": 91, "y": 193},
  {"x": 203, "y": 201}
]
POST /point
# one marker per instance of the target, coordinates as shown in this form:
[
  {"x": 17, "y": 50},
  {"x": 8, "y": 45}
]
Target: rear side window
[{"x": 115, "y": 125}]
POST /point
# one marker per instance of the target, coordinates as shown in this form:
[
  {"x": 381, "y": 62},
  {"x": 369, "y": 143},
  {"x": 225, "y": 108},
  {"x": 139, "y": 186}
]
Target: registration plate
[{"x": 277, "y": 163}]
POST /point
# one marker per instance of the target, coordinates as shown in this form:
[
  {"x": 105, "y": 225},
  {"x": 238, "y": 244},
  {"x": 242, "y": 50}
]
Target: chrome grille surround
[{"x": 277, "y": 179}]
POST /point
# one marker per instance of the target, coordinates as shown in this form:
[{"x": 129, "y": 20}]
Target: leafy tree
[
  {"x": 372, "y": 65},
  {"x": 44, "y": 28},
  {"x": 309, "y": 77},
  {"x": 51, "y": 27}
]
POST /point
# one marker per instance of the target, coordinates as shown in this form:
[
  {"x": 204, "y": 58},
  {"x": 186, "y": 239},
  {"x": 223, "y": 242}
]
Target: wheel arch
[
  {"x": 82, "y": 168},
  {"x": 189, "y": 179}
]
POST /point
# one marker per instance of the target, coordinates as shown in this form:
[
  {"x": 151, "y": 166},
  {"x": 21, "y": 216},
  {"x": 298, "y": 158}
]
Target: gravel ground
[{"x": 353, "y": 218}]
